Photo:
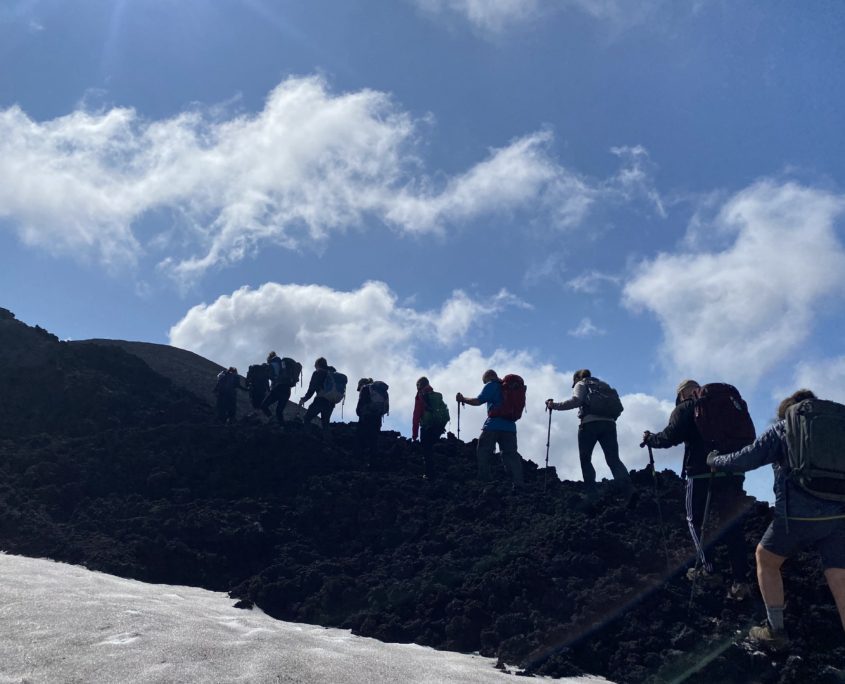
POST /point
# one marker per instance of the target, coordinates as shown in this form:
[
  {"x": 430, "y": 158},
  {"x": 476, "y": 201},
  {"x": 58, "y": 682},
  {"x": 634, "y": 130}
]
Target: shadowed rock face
[{"x": 153, "y": 489}]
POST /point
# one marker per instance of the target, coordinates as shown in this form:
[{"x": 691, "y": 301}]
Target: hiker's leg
[
  {"x": 268, "y": 401},
  {"x": 282, "y": 401},
  {"x": 730, "y": 504},
  {"x": 484, "y": 454},
  {"x": 507, "y": 443},
  {"x": 587, "y": 439},
  {"x": 836, "y": 581},
  {"x": 326, "y": 408},
  {"x": 610, "y": 446},
  {"x": 769, "y": 577},
  {"x": 696, "y": 501},
  {"x": 428, "y": 436},
  {"x": 312, "y": 411}
]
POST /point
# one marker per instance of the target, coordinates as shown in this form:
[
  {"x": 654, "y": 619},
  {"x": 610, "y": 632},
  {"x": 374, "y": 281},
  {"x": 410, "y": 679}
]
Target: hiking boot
[
  {"x": 766, "y": 637},
  {"x": 739, "y": 591},
  {"x": 703, "y": 576}
]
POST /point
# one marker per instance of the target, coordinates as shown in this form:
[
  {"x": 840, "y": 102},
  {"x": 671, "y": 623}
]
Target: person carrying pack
[
  {"x": 805, "y": 449},
  {"x": 598, "y": 407},
  {"x": 705, "y": 418},
  {"x": 329, "y": 386},
  {"x": 373, "y": 405},
  {"x": 429, "y": 422},
  {"x": 257, "y": 383},
  {"x": 284, "y": 374},
  {"x": 498, "y": 428},
  {"x": 226, "y": 388}
]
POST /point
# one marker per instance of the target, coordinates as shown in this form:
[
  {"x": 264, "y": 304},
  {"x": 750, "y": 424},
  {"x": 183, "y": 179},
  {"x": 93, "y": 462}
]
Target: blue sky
[{"x": 435, "y": 186}]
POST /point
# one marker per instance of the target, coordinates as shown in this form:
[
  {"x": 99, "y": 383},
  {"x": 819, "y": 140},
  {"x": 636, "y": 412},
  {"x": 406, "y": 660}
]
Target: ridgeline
[{"x": 107, "y": 463}]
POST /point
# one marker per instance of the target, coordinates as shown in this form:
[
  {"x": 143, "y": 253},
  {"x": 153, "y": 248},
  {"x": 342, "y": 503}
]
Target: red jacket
[{"x": 419, "y": 408}]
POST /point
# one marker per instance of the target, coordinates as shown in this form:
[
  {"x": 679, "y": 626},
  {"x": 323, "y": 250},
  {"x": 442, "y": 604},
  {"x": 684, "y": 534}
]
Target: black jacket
[{"x": 681, "y": 428}]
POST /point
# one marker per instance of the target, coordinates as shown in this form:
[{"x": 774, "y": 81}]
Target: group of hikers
[{"x": 805, "y": 446}]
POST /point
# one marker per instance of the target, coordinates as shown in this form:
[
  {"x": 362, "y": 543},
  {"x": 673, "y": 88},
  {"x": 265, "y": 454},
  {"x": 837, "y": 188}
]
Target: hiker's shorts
[{"x": 825, "y": 536}]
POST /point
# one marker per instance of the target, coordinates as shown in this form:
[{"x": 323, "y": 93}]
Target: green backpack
[
  {"x": 436, "y": 412},
  {"x": 815, "y": 435}
]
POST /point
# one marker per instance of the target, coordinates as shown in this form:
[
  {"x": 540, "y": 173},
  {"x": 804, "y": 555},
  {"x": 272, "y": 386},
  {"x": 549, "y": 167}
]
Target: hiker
[
  {"x": 228, "y": 383},
  {"x": 373, "y": 405},
  {"x": 598, "y": 408},
  {"x": 284, "y": 374},
  {"x": 430, "y": 417},
  {"x": 727, "y": 495},
  {"x": 497, "y": 429},
  {"x": 258, "y": 383},
  {"x": 329, "y": 386},
  {"x": 809, "y": 510}
]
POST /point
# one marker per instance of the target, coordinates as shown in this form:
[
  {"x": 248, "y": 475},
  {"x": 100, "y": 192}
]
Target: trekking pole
[
  {"x": 700, "y": 550},
  {"x": 657, "y": 501},
  {"x": 548, "y": 443},
  {"x": 459, "y": 420}
]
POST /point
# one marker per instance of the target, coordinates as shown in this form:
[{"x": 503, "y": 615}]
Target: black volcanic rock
[{"x": 111, "y": 465}]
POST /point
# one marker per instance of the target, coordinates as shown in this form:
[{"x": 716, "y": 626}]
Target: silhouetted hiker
[
  {"x": 329, "y": 386},
  {"x": 258, "y": 383},
  {"x": 497, "y": 429},
  {"x": 805, "y": 448},
  {"x": 728, "y": 499},
  {"x": 430, "y": 417},
  {"x": 226, "y": 388},
  {"x": 598, "y": 407},
  {"x": 284, "y": 374},
  {"x": 373, "y": 405}
]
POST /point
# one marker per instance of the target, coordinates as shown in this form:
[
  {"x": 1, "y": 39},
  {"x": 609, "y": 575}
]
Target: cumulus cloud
[
  {"x": 309, "y": 163},
  {"x": 496, "y": 16},
  {"x": 367, "y": 333},
  {"x": 586, "y": 328},
  {"x": 825, "y": 377},
  {"x": 736, "y": 313}
]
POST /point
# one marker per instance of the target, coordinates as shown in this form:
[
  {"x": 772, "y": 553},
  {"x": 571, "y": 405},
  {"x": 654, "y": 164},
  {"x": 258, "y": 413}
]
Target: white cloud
[
  {"x": 367, "y": 333},
  {"x": 586, "y": 328},
  {"x": 487, "y": 15},
  {"x": 592, "y": 281},
  {"x": 306, "y": 165},
  {"x": 825, "y": 377},
  {"x": 736, "y": 313}
]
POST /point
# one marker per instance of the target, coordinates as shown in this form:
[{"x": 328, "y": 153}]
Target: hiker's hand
[
  {"x": 711, "y": 460},
  {"x": 459, "y": 398},
  {"x": 550, "y": 404},
  {"x": 302, "y": 401},
  {"x": 646, "y": 437}
]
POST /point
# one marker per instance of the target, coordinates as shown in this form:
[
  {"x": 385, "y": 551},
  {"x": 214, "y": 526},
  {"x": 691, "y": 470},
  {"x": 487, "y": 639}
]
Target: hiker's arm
[
  {"x": 765, "y": 449},
  {"x": 674, "y": 433},
  {"x": 579, "y": 394},
  {"x": 469, "y": 401}
]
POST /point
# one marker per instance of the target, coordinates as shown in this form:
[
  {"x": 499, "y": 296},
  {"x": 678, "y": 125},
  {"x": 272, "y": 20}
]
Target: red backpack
[
  {"x": 513, "y": 399},
  {"x": 722, "y": 418}
]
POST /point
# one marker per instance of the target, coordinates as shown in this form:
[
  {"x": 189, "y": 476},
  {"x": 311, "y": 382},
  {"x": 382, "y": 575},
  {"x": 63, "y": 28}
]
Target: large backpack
[
  {"x": 257, "y": 376},
  {"x": 436, "y": 413},
  {"x": 290, "y": 372},
  {"x": 334, "y": 386},
  {"x": 602, "y": 400},
  {"x": 513, "y": 399},
  {"x": 815, "y": 437},
  {"x": 722, "y": 418},
  {"x": 379, "y": 399}
]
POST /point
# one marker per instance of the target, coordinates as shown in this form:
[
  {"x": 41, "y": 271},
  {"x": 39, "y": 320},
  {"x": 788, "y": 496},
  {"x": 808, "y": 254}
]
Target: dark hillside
[{"x": 155, "y": 490}]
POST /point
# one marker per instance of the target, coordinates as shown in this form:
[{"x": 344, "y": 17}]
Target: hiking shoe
[
  {"x": 739, "y": 591},
  {"x": 766, "y": 637},
  {"x": 702, "y": 575}
]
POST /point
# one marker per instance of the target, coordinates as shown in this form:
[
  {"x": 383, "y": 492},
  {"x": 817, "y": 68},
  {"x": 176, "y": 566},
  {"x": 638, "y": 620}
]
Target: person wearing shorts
[{"x": 801, "y": 521}]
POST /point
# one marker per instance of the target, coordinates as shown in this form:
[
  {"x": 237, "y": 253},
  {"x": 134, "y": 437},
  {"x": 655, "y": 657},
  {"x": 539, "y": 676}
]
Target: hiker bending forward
[
  {"x": 594, "y": 428},
  {"x": 496, "y": 430},
  {"x": 727, "y": 495},
  {"x": 321, "y": 405},
  {"x": 801, "y": 520}
]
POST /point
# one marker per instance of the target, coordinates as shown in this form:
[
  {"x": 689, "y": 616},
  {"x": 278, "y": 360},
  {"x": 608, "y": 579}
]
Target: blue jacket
[{"x": 790, "y": 499}]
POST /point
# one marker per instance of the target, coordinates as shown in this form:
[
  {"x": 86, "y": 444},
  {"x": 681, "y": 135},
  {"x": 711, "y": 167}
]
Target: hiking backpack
[
  {"x": 436, "y": 412},
  {"x": 334, "y": 386},
  {"x": 513, "y": 399},
  {"x": 722, "y": 418},
  {"x": 379, "y": 399},
  {"x": 257, "y": 376},
  {"x": 815, "y": 437},
  {"x": 289, "y": 372},
  {"x": 602, "y": 400}
]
